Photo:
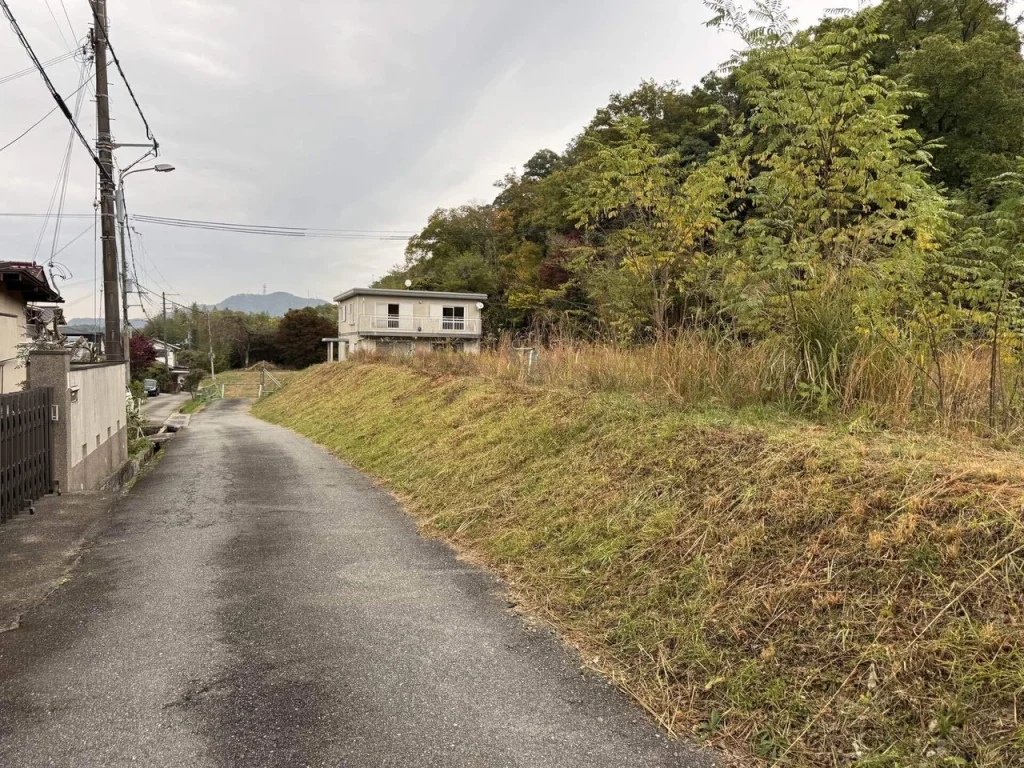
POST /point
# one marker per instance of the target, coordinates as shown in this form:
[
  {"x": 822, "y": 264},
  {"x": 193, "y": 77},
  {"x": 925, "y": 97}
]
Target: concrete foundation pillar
[{"x": 50, "y": 368}]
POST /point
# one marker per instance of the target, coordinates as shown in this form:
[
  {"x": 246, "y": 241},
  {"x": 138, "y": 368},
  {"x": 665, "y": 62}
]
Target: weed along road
[{"x": 254, "y": 602}]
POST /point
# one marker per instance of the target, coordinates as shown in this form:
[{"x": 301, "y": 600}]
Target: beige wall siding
[
  {"x": 351, "y": 310},
  {"x": 12, "y": 333},
  {"x": 347, "y": 316},
  {"x": 97, "y": 441},
  {"x": 354, "y": 317}
]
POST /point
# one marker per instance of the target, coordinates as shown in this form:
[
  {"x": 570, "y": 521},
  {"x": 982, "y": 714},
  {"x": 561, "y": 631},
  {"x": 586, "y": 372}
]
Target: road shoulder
[{"x": 39, "y": 552}]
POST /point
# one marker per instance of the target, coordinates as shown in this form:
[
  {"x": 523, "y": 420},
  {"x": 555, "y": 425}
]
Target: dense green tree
[
  {"x": 300, "y": 337},
  {"x": 801, "y": 193},
  {"x": 963, "y": 59},
  {"x": 649, "y": 224},
  {"x": 989, "y": 266}
]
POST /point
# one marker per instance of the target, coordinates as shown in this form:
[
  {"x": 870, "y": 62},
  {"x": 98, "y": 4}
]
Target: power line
[
  {"x": 142, "y": 244},
  {"x": 67, "y": 170},
  {"x": 67, "y": 18},
  {"x": 40, "y": 120},
  {"x": 26, "y": 133},
  {"x": 62, "y": 172},
  {"x": 73, "y": 240},
  {"x": 30, "y": 70},
  {"x": 124, "y": 79},
  {"x": 279, "y": 227},
  {"x": 273, "y": 231},
  {"x": 299, "y": 231},
  {"x": 60, "y": 30},
  {"x": 45, "y": 215},
  {"x": 53, "y": 91}
]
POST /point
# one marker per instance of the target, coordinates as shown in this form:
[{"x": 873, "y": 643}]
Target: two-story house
[
  {"x": 20, "y": 283},
  {"x": 397, "y": 321}
]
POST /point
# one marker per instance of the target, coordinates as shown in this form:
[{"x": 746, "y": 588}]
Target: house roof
[
  {"x": 400, "y": 293},
  {"x": 161, "y": 343},
  {"x": 28, "y": 279}
]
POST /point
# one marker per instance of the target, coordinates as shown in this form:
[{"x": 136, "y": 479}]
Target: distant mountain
[
  {"x": 98, "y": 324},
  {"x": 274, "y": 304}
]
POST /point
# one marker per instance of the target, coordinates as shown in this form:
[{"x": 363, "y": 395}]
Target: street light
[
  {"x": 121, "y": 216},
  {"x": 159, "y": 168}
]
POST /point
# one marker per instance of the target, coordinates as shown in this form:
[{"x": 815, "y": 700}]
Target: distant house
[
  {"x": 21, "y": 282},
  {"x": 396, "y": 321},
  {"x": 166, "y": 352}
]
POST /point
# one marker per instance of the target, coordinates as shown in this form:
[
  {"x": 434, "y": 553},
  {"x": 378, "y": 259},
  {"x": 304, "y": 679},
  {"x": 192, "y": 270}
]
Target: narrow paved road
[
  {"x": 256, "y": 603},
  {"x": 157, "y": 409}
]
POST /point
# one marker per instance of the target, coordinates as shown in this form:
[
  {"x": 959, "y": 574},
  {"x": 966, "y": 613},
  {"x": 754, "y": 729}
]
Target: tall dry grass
[{"x": 880, "y": 383}]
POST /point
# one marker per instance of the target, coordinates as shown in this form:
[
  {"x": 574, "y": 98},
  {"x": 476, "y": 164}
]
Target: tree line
[
  {"x": 852, "y": 192},
  {"x": 237, "y": 339}
]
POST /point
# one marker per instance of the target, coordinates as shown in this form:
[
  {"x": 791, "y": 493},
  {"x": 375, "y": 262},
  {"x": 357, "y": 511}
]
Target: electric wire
[
  {"x": 44, "y": 215},
  {"x": 60, "y": 29},
  {"x": 299, "y": 232},
  {"x": 67, "y": 18},
  {"x": 372, "y": 234},
  {"x": 124, "y": 78},
  {"x": 14, "y": 141},
  {"x": 53, "y": 195},
  {"x": 279, "y": 227},
  {"x": 67, "y": 173},
  {"x": 31, "y": 70},
  {"x": 147, "y": 260},
  {"x": 53, "y": 91},
  {"x": 62, "y": 172}
]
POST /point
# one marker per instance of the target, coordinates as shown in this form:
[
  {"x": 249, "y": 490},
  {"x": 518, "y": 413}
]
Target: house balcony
[{"x": 403, "y": 325}]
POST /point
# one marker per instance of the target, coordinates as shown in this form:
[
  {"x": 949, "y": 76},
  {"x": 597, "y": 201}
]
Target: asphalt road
[
  {"x": 158, "y": 409},
  {"x": 253, "y": 602}
]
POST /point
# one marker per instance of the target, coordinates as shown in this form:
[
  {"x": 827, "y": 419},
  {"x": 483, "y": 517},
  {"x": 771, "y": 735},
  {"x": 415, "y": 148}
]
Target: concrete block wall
[
  {"x": 90, "y": 436},
  {"x": 98, "y": 435}
]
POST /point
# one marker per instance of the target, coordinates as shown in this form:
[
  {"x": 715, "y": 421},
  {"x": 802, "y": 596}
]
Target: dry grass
[
  {"x": 246, "y": 383},
  {"x": 696, "y": 369},
  {"x": 803, "y": 595}
]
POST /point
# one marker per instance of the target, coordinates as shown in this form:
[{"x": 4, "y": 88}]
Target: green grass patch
[
  {"x": 802, "y": 594},
  {"x": 193, "y": 406}
]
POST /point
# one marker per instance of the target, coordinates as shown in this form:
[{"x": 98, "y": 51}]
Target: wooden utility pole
[
  {"x": 105, "y": 151},
  {"x": 209, "y": 329},
  {"x": 163, "y": 296}
]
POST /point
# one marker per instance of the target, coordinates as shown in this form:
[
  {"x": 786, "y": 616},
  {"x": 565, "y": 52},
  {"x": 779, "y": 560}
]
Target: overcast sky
[{"x": 346, "y": 114}]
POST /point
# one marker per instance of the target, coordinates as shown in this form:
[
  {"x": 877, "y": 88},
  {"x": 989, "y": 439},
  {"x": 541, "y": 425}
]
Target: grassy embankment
[
  {"x": 797, "y": 593},
  {"x": 245, "y": 383}
]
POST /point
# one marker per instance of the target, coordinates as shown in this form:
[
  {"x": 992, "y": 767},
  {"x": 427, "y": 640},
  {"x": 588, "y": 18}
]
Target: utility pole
[
  {"x": 119, "y": 200},
  {"x": 164, "y": 328},
  {"x": 209, "y": 327},
  {"x": 105, "y": 150}
]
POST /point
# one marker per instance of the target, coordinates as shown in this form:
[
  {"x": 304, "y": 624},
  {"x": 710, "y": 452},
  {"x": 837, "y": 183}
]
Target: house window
[
  {"x": 344, "y": 307},
  {"x": 453, "y": 319},
  {"x": 392, "y": 315}
]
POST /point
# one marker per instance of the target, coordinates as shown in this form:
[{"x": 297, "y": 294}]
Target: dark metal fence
[{"x": 26, "y": 449}]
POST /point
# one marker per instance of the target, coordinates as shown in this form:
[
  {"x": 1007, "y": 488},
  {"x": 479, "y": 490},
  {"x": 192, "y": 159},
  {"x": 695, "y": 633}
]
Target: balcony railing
[{"x": 404, "y": 325}]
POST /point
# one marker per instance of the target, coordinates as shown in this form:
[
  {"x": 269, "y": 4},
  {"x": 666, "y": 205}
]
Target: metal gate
[{"x": 26, "y": 449}]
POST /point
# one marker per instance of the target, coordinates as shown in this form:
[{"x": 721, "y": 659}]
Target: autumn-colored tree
[{"x": 141, "y": 352}]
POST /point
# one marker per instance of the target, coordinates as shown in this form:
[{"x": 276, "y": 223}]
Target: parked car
[{"x": 151, "y": 387}]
